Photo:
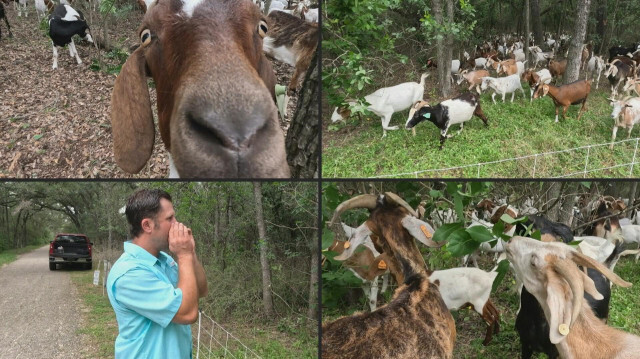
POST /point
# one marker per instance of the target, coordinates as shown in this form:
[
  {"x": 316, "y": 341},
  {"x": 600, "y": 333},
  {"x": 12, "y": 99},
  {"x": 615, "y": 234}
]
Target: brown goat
[
  {"x": 416, "y": 322},
  {"x": 557, "y": 68},
  {"x": 216, "y": 91},
  {"x": 566, "y": 95},
  {"x": 291, "y": 40}
]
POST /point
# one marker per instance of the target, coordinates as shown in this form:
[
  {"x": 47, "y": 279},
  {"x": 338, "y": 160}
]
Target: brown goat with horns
[{"x": 416, "y": 322}]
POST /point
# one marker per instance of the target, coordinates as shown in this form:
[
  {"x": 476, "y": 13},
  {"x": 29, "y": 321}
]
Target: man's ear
[{"x": 147, "y": 225}]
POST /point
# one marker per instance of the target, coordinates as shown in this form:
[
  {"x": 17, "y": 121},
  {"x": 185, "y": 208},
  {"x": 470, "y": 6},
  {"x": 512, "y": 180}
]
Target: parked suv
[{"x": 70, "y": 248}]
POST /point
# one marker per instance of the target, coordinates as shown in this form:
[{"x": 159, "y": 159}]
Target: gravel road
[{"x": 40, "y": 310}]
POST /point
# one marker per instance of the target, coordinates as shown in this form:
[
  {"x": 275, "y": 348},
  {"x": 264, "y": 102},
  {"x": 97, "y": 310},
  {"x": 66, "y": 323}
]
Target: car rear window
[{"x": 71, "y": 239}]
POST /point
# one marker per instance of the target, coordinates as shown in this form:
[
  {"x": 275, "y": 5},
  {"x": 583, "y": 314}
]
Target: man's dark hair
[{"x": 144, "y": 203}]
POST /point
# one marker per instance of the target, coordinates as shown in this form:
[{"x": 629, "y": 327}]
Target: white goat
[
  {"x": 631, "y": 234},
  {"x": 550, "y": 273},
  {"x": 626, "y": 113},
  {"x": 460, "y": 287},
  {"x": 596, "y": 63},
  {"x": 503, "y": 86},
  {"x": 386, "y": 101}
]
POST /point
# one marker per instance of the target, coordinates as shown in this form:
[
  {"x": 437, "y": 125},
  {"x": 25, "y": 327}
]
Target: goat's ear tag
[
  {"x": 563, "y": 329},
  {"x": 347, "y": 245},
  {"x": 425, "y": 231},
  {"x": 427, "y": 115},
  {"x": 382, "y": 265}
]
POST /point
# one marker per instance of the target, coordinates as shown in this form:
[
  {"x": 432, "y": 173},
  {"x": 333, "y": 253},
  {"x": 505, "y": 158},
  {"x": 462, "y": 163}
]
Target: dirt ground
[
  {"x": 56, "y": 123},
  {"x": 40, "y": 310}
]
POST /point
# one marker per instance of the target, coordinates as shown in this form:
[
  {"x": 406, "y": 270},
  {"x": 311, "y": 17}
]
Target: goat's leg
[
  {"x": 503, "y": 96},
  {"x": 301, "y": 67},
  {"x": 613, "y": 136},
  {"x": 461, "y": 127},
  {"x": 513, "y": 94},
  {"x": 629, "y": 133},
  {"x": 556, "y": 114},
  {"x": 8, "y": 26},
  {"x": 373, "y": 295},
  {"x": 55, "y": 57},
  {"x": 443, "y": 137},
  {"x": 478, "y": 112},
  {"x": 493, "y": 98},
  {"x": 582, "y": 108},
  {"x": 385, "y": 281},
  {"x": 564, "y": 112},
  {"x": 72, "y": 45}
]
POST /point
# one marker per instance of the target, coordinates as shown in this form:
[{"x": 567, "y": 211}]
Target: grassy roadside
[
  {"x": 100, "y": 320},
  {"x": 267, "y": 341},
  {"x": 355, "y": 148},
  {"x": 11, "y": 255}
]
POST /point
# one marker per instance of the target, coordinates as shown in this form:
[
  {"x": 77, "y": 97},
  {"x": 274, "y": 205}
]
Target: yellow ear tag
[
  {"x": 425, "y": 231},
  {"x": 563, "y": 329},
  {"x": 347, "y": 245},
  {"x": 382, "y": 265}
]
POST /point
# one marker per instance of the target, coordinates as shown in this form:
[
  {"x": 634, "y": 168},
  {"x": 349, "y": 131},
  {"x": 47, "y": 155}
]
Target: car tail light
[
  {"x": 51, "y": 248},
  {"x": 89, "y": 250}
]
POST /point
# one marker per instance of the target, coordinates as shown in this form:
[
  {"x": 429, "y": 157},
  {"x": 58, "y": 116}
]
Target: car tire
[{"x": 52, "y": 266}]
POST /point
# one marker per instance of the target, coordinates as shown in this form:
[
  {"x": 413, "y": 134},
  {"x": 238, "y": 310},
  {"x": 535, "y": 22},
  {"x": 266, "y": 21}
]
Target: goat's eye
[
  {"x": 262, "y": 29},
  {"x": 145, "y": 37}
]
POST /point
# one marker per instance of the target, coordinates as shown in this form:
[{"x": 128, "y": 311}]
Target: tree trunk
[
  {"x": 527, "y": 40},
  {"x": 575, "y": 50},
  {"x": 446, "y": 88},
  {"x": 313, "y": 279},
  {"x": 302, "y": 142},
  {"x": 611, "y": 24},
  {"x": 566, "y": 207},
  {"x": 601, "y": 25},
  {"x": 443, "y": 77},
  {"x": 553, "y": 194},
  {"x": 264, "y": 261},
  {"x": 538, "y": 36}
]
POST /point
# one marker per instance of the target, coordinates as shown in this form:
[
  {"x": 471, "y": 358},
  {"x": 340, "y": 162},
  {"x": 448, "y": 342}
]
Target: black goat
[
  {"x": 3, "y": 15},
  {"x": 620, "y": 51},
  {"x": 63, "y": 24},
  {"x": 457, "y": 110}
]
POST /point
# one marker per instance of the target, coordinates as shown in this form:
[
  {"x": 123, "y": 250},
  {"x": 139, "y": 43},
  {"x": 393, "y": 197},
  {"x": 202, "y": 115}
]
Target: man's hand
[{"x": 181, "y": 240}]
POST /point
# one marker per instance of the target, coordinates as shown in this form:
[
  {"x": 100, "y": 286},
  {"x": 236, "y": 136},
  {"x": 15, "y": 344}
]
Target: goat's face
[
  {"x": 541, "y": 91},
  {"x": 215, "y": 89},
  {"x": 549, "y": 271},
  {"x": 618, "y": 106},
  {"x": 340, "y": 113}
]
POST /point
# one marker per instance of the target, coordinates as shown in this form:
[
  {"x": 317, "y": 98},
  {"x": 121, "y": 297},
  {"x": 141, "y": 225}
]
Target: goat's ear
[
  {"x": 421, "y": 231},
  {"x": 348, "y": 231},
  {"x": 265, "y": 70},
  {"x": 131, "y": 116},
  {"x": 559, "y": 304},
  {"x": 358, "y": 238}
]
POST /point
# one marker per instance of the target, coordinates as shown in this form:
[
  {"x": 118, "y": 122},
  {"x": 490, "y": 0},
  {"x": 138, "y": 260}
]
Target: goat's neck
[{"x": 589, "y": 337}]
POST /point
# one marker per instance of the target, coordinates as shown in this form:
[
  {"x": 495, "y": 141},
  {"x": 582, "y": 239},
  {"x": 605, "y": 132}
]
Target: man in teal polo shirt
[{"x": 154, "y": 298}]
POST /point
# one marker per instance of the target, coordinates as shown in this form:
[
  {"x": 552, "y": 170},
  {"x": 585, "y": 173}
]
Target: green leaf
[
  {"x": 452, "y": 187},
  {"x": 503, "y": 268},
  {"x": 480, "y": 234},
  {"x": 508, "y": 219},
  {"x": 443, "y": 233},
  {"x": 460, "y": 243},
  {"x": 327, "y": 239},
  {"x": 37, "y": 137},
  {"x": 457, "y": 201}
]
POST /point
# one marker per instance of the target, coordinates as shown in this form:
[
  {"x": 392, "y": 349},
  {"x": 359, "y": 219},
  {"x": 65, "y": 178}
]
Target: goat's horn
[
  {"x": 571, "y": 274},
  {"x": 400, "y": 202},
  {"x": 362, "y": 201},
  {"x": 582, "y": 260}
]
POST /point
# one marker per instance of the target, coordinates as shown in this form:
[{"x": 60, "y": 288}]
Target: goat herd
[
  {"x": 564, "y": 291},
  {"x": 216, "y": 99},
  {"x": 506, "y": 55}
]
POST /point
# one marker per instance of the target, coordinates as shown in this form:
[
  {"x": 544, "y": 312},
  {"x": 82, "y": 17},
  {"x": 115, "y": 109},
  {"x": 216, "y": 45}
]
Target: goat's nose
[{"x": 234, "y": 123}]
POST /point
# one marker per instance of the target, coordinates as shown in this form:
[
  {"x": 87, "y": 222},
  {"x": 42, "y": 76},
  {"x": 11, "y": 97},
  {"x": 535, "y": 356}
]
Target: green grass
[
  {"x": 11, "y": 255},
  {"x": 100, "y": 324},
  {"x": 266, "y": 341},
  {"x": 355, "y": 149}
]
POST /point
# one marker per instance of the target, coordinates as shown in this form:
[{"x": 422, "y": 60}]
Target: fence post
[
  {"x": 535, "y": 163},
  {"x": 586, "y": 162},
  {"x": 198, "y": 340},
  {"x": 634, "y": 159}
]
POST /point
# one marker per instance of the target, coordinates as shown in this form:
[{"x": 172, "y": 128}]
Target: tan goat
[{"x": 216, "y": 91}]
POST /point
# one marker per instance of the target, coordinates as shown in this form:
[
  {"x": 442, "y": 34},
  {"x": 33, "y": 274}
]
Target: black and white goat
[
  {"x": 63, "y": 24},
  {"x": 457, "y": 110},
  {"x": 4, "y": 16}
]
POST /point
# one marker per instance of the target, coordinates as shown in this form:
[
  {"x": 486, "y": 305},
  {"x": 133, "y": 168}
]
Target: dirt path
[
  {"x": 56, "y": 123},
  {"x": 40, "y": 310}
]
